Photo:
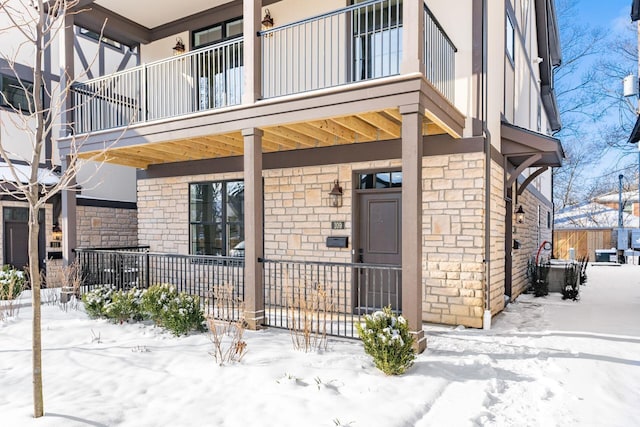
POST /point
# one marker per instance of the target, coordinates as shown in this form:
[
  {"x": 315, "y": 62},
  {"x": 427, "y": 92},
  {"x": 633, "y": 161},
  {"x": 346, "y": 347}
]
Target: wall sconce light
[
  {"x": 336, "y": 195},
  {"x": 56, "y": 233},
  {"x": 520, "y": 215},
  {"x": 267, "y": 21},
  {"x": 179, "y": 48}
]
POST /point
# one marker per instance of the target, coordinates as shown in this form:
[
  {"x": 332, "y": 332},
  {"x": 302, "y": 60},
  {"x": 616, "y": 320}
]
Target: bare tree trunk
[{"x": 34, "y": 277}]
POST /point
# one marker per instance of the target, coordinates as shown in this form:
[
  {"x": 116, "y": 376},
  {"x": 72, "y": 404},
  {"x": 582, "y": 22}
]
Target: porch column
[
  {"x": 252, "y": 9},
  {"x": 412, "y": 116},
  {"x": 412, "y": 37},
  {"x": 67, "y": 73},
  {"x": 69, "y": 238},
  {"x": 253, "y": 228}
]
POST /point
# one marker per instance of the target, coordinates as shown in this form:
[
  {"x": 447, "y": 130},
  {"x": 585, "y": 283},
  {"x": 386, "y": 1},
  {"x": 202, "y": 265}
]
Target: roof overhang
[
  {"x": 635, "y": 10},
  {"x": 518, "y": 145},
  {"x": 635, "y": 133}
]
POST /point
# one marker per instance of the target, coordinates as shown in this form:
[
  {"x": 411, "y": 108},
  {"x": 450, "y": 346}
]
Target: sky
[{"x": 614, "y": 17}]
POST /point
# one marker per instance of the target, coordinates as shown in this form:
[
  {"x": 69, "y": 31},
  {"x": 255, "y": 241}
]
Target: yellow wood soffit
[{"x": 358, "y": 128}]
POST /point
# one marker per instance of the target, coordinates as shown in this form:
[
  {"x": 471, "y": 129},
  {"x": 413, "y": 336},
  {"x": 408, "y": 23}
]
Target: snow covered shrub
[
  {"x": 125, "y": 306},
  {"x": 155, "y": 301},
  {"x": 11, "y": 282},
  {"x": 584, "y": 261},
  {"x": 184, "y": 314},
  {"x": 96, "y": 300},
  {"x": 387, "y": 339}
]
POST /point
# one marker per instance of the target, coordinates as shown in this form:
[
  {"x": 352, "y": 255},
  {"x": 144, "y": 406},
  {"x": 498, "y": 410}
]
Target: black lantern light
[
  {"x": 179, "y": 48},
  {"x": 267, "y": 21},
  {"x": 520, "y": 215},
  {"x": 336, "y": 195}
]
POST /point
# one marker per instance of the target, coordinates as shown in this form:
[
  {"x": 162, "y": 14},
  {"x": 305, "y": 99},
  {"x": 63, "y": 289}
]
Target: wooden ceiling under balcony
[{"x": 358, "y": 128}]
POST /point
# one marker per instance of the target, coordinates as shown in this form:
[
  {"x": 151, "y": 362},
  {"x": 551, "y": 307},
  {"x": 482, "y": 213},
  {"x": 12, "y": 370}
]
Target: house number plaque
[{"x": 337, "y": 225}]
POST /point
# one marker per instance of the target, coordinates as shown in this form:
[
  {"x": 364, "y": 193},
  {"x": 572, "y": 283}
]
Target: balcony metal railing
[
  {"x": 359, "y": 42},
  {"x": 356, "y": 43},
  {"x": 211, "y": 77},
  {"x": 439, "y": 56}
]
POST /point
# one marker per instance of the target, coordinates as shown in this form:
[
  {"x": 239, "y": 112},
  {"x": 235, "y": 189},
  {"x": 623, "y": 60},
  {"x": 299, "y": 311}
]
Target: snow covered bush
[
  {"x": 96, "y": 300},
  {"x": 386, "y": 338},
  {"x": 11, "y": 282},
  {"x": 125, "y": 306},
  {"x": 184, "y": 314},
  {"x": 155, "y": 301}
]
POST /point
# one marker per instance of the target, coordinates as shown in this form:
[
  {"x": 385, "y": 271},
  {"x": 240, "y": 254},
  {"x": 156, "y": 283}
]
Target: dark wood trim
[
  {"x": 476, "y": 68},
  {"x": 382, "y": 150},
  {"x": 99, "y": 203}
]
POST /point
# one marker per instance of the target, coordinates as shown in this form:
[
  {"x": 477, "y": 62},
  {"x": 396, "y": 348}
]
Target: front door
[
  {"x": 379, "y": 242},
  {"x": 16, "y": 237}
]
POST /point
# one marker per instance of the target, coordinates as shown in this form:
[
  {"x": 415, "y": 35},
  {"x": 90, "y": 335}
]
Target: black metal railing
[
  {"x": 332, "y": 295},
  {"x": 218, "y": 281}
]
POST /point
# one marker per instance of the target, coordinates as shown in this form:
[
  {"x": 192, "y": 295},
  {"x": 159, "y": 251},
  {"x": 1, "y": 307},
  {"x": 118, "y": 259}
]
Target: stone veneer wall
[
  {"x": 453, "y": 253},
  {"x": 106, "y": 227},
  {"x": 498, "y": 207},
  {"x": 531, "y": 234},
  {"x": 298, "y": 220}
]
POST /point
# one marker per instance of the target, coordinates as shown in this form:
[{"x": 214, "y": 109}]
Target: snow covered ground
[{"x": 545, "y": 362}]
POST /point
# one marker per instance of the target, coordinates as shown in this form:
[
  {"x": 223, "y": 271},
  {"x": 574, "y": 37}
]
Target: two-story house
[
  {"x": 385, "y": 133},
  {"x": 106, "y": 210}
]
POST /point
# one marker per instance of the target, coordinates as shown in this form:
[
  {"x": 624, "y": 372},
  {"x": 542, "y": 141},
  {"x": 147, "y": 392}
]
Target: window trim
[
  {"x": 223, "y": 222},
  {"x": 510, "y": 48},
  {"x": 19, "y": 81},
  {"x": 223, "y": 25},
  {"x": 105, "y": 41}
]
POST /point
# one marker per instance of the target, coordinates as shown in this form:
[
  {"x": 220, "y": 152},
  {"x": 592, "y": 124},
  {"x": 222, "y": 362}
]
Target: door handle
[{"x": 360, "y": 256}]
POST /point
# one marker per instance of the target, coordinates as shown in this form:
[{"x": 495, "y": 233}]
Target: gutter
[{"x": 486, "y": 318}]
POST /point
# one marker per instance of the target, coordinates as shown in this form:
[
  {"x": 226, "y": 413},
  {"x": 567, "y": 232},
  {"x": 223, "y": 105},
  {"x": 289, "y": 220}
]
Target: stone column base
[
  {"x": 420, "y": 341},
  {"x": 254, "y": 319}
]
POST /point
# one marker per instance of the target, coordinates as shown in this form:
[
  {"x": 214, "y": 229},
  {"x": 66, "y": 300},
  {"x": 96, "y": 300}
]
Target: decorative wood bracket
[
  {"x": 531, "y": 178},
  {"x": 524, "y": 165}
]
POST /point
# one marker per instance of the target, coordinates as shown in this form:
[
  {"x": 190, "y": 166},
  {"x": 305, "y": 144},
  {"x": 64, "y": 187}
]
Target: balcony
[{"x": 355, "y": 48}]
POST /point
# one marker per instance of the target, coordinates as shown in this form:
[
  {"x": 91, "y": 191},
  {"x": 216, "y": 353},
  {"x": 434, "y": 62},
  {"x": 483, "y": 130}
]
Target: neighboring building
[
  {"x": 432, "y": 121},
  {"x": 593, "y": 226},
  {"x": 629, "y": 202},
  {"x": 106, "y": 208}
]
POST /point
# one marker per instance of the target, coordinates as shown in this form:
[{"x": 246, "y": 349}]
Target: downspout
[{"x": 486, "y": 318}]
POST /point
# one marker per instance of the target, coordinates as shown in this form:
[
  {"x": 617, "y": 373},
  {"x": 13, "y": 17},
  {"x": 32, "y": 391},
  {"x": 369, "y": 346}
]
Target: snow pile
[{"x": 540, "y": 365}]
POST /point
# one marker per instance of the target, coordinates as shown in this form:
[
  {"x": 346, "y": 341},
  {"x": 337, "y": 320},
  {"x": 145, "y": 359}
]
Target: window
[
  {"x": 216, "y": 217},
  {"x": 95, "y": 36},
  {"x": 369, "y": 181},
  {"x": 222, "y": 73},
  {"x": 217, "y": 32},
  {"x": 377, "y": 39},
  {"x": 510, "y": 40},
  {"x": 14, "y": 94},
  {"x": 548, "y": 219}
]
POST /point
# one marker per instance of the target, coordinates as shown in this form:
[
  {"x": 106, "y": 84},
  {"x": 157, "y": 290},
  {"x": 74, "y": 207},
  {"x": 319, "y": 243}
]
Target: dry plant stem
[
  {"x": 227, "y": 326},
  {"x": 308, "y": 310}
]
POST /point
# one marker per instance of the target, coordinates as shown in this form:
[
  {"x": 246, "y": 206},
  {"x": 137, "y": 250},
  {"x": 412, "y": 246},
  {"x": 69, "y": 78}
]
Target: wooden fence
[{"x": 584, "y": 241}]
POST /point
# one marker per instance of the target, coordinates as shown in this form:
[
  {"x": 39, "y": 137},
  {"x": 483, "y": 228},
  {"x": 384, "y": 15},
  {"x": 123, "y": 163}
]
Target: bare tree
[
  {"x": 597, "y": 119},
  {"x": 33, "y": 25}
]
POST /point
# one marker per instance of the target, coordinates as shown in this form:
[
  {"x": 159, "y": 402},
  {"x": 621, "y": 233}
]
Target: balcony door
[{"x": 377, "y": 40}]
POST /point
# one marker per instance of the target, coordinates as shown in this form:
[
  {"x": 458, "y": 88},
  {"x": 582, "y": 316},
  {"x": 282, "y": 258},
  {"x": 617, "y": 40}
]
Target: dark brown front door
[
  {"x": 16, "y": 237},
  {"x": 379, "y": 243},
  {"x": 16, "y": 240}
]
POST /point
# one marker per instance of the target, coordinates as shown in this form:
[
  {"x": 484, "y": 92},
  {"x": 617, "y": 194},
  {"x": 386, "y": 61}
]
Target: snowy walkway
[
  {"x": 610, "y": 303},
  {"x": 545, "y": 362}
]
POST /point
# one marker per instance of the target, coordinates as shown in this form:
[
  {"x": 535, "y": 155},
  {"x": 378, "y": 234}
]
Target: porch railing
[
  {"x": 329, "y": 297},
  {"x": 211, "y": 77},
  {"x": 205, "y": 276}
]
